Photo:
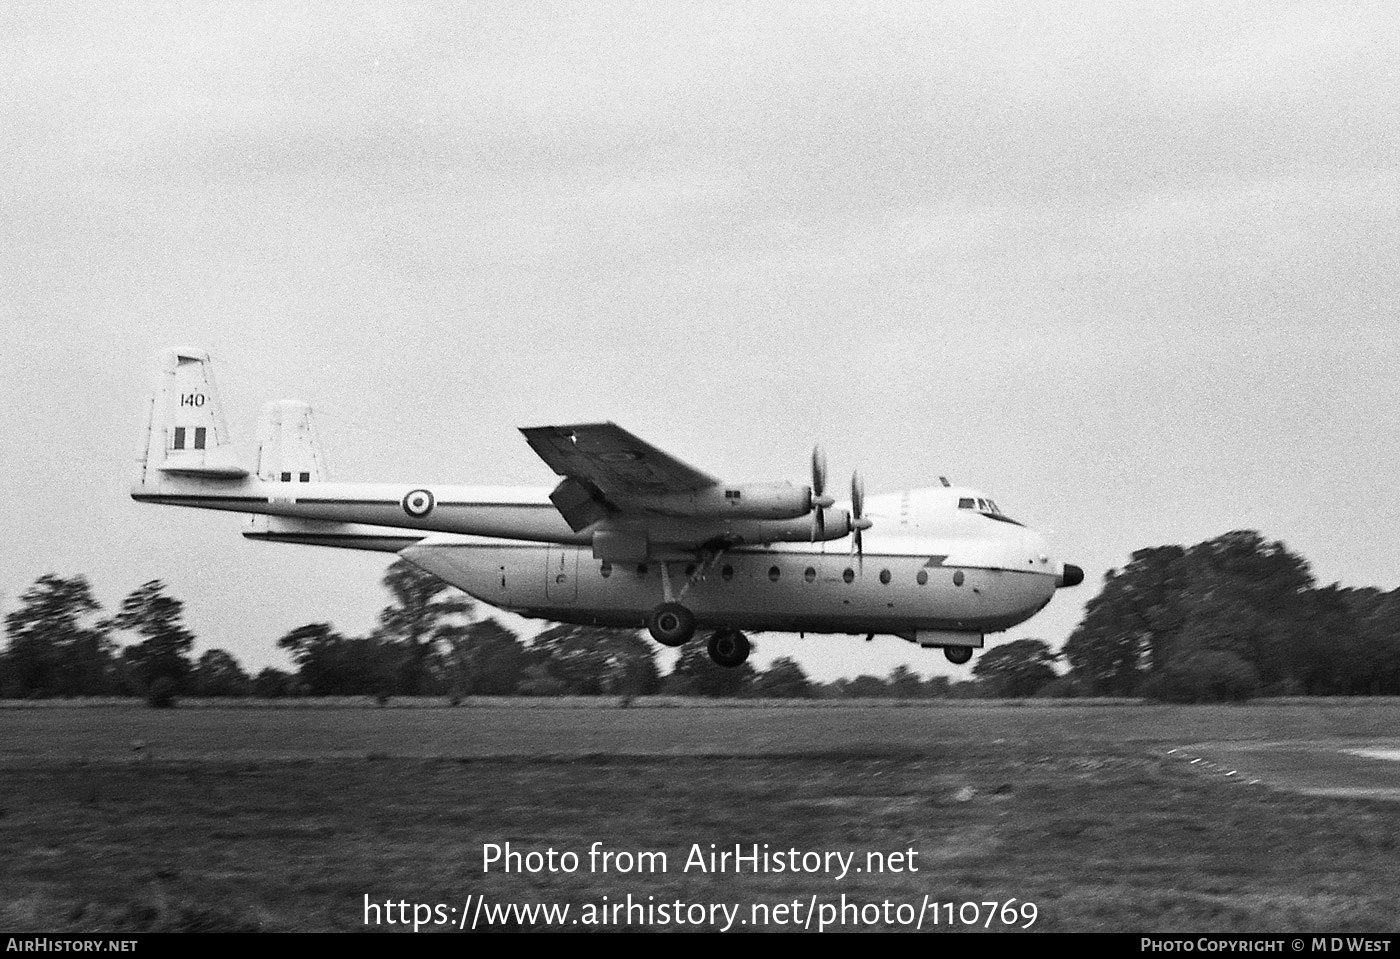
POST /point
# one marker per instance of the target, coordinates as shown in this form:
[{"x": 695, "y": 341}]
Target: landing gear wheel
[
  {"x": 671, "y": 624},
  {"x": 729, "y": 648},
  {"x": 958, "y": 654}
]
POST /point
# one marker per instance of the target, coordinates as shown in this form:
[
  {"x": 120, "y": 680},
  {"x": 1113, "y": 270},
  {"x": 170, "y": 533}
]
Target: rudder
[{"x": 288, "y": 450}]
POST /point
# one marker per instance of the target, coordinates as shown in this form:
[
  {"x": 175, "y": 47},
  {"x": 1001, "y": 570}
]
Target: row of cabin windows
[
  {"x": 809, "y": 574},
  {"x": 178, "y": 443}
]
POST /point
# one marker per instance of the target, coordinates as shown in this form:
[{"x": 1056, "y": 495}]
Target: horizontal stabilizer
[{"x": 311, "y": 532}]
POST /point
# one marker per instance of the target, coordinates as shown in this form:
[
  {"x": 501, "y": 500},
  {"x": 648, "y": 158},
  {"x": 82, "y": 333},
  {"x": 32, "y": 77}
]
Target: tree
[
  {"x": 594, "y": 660},
  {"x": 217, "y": 673},
  {"x": 329, "y": 664},
  {"x": 165, "y": 652},
  {"x": 904, "y": 683},
  {"x": 1376, "y": 656},
  {"x": 1238, "y": 593},
  {"x": 938, "y": 687},
  {"x": 1017, "y": 669},
  {"x": 484, "y": 659},
  {"x": 1204, "y": 676},
  {"x": 417, "y": 619},
  {"x": 273, "y": 683},
  {"x": 695, "y": 674},
  {"x": 58, "y": 645},
  {"x": 783, "y": 679},
  {"x": 1129, "y": 625},
  {"x": 866, "y": 686}
]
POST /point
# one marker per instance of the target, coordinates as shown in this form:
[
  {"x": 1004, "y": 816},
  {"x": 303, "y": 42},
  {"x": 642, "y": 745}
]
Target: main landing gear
[
  {"x": 673, "y": 624},
  {"x": 958, "y": 654},
  {"x": 729, "y": 648}
]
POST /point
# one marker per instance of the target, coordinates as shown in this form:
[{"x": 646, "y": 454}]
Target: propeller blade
[
  {"x": 858, "y": 520},
  {"x": 820, "y": 501}
]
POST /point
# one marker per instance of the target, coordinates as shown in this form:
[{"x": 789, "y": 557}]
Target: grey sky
[{"x": 1131, "y": 268}]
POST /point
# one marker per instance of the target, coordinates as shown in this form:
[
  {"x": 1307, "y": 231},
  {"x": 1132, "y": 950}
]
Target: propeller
[
  {"x": 858, "y": 520},
  {"x": 820, "y": 501}
]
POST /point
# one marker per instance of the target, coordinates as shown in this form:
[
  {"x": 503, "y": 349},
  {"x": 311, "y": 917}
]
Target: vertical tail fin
[
  {"x": 185, "y": 429},
  {"x": 288, "y": 450}
]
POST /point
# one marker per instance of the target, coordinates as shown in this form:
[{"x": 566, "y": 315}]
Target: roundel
[{"x": 418, "y": 503}]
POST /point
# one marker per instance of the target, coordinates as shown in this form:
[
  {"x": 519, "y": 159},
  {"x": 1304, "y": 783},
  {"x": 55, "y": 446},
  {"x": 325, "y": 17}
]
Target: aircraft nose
[{"x": 1070, "y": 575}]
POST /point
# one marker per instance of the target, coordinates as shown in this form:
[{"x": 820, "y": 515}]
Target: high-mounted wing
[{"x": 605, "y": 466}]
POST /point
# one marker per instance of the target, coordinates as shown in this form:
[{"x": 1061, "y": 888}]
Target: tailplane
[{"x": 186, "y": 434}]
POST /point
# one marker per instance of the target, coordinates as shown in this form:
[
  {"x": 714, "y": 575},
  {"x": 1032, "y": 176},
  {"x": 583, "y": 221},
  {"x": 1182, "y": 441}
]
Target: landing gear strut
[
  {"x": 958, "y": 654},
  {"x": 671, "y": 624},
  {"x": 729, "y": 648}
]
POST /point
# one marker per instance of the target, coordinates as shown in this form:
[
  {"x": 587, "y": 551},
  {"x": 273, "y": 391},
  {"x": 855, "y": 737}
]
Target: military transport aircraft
[{"x": 629, "y": 536}]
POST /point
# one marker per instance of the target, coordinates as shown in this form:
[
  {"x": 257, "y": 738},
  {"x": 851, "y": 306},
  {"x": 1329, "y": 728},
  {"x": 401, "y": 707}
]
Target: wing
[{"x": 612, "y": 461}]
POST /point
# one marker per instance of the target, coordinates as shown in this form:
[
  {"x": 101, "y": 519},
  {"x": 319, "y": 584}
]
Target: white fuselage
[{"x": 931, "y": 573}]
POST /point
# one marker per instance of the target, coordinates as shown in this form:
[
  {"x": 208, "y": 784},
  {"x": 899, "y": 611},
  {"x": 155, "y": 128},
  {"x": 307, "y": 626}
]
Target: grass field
[{"x": 124, "y": 818}]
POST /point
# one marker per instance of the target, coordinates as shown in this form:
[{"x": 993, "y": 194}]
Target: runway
[{"x": 1337, "y": 768}]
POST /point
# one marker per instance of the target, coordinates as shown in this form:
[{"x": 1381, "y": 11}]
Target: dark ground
[{"x": 125, "y": 818}]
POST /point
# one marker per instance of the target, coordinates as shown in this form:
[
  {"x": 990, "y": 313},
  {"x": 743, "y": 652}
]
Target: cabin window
[
  {"x": 199, "y": 434},
  {"x": 179, "y": 443},
  {"x": 605, "y": 569},
  {"x": 885, "y": 577},
  {"x": 286, "y": 477},
  {"x": 967, "y": 503},
  {"x": 958, "y": 578},
  {"x": 849, "y": 575},
  {"x": 727, "y": 572},
  {"x": 304, "y": 477},
  {"x": 810, "y": 574},
  {"x": 732, "y": 494},
  {"x": 922, "y": 578},
  {"x": 773, "y": 574}
]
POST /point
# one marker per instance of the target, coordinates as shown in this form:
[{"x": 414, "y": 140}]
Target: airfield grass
[{"x": 228, "y": 819}]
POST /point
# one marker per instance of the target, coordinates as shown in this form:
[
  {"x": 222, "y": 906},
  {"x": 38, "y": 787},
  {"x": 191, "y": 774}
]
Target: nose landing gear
[{"x": 958, "y": 654}]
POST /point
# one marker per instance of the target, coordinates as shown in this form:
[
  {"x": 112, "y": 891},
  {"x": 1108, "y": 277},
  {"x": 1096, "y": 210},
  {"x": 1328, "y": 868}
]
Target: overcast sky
[{"x": 1130, "y": 268}]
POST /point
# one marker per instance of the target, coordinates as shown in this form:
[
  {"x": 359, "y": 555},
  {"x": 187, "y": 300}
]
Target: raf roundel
[{"x": 418, "y": 503}]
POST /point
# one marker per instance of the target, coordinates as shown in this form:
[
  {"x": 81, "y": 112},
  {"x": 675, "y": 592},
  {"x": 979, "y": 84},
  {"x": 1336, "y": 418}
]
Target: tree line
[
  {"x": 1229, "y": 618},
  {"x": 426, "y": 643}
]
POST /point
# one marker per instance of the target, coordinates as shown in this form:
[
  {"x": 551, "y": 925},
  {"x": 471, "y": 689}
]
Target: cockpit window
[{"x": 986, "y": 507}]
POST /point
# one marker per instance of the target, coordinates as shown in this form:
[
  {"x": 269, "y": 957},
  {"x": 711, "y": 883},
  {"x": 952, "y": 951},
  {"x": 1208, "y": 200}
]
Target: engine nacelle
[{"x": 746, "y": 501}]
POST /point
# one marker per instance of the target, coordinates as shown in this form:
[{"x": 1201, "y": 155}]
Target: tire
[
  {"x": 671, "y": 624},
  {"x": 729, "y": 648},
  {"x": 958, "y": 654}
]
